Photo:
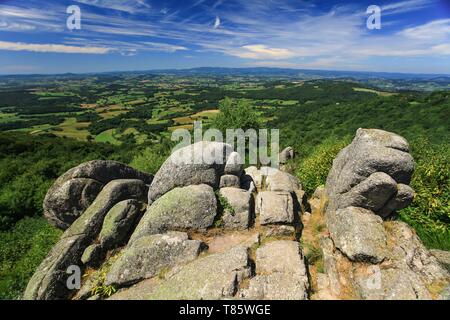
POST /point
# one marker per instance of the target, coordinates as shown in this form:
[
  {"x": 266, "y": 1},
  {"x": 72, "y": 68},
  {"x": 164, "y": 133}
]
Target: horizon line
[{"x": 228, "y": 68}]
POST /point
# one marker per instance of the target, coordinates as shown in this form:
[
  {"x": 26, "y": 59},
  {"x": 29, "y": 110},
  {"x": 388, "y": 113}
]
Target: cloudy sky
[{"x": 153, "y": 34}]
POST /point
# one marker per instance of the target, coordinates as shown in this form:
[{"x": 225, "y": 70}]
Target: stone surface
[
  {"x": 216, "y": 276},
  {"x": 252, "y": 175},
  {"x": 277, "y": 180},
  {"x": 372, "y": 194},
  {"x": 280, "y": 273},
  {"x": 286, "y": 155},
  {"x": 443, "y": 257},
  {"x": 149, "y": 255},
  {"x": 275, "y": 207},
  {"x": 372, "y": 151},
  {"x": 234, "y": 165},
  {"x": 279, "y": 231},
  {"x": 238, "y": 216},
  {"x": 200, "y": 163},
  {"x": 229, "y": 181},
  {"x": 403, "y": 198},
  {"x": 358, "y": 233},
  {"x": 407, "y": 252},
  {"x": 93, "y": 256},
  {"x": 49, "y": 280},
  {"x": 188, "y": 208},
  {"x": 120, "y": 222},
  {"x": 391, "y": 284},
  {"x": 74, "y": 191}
]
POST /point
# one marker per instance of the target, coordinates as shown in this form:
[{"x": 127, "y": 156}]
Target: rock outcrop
[
  {"x": 211, "y": 230},
  {"x": 364, "y": 256},
  {"x": 200, "y": 163},
  {"x": 74, "y": 191}
]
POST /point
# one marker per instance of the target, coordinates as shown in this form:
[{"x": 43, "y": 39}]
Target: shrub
[
  {"x": 430, "y": 212},
  {"x": 21, "y": 251},
  {"x": 313, "y": 169}
]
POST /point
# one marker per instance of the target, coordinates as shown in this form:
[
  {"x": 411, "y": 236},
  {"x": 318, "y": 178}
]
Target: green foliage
[
  {"x": 236, "y": 114},
  {"x": 430, "y": 211},
  {"x": 21, "y": 251},
  {"x": 151, "y": 158},
  {"x": 313, "y": 169},
  {"x": 29, "y": 165}
]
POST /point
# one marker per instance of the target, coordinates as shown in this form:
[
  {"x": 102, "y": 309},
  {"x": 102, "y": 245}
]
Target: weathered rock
[
  {"x": 74, "y": 191},
  {"x": 402, "y": 199},
  {"x": 358, "y": 233},
  {"x": 213, "y": 277},
  {"x": 275, "y": 207},
  {"x": 372, "y": 193},
  {"x": 119, "y": 222},
  {"x": 200, "y": 163},
  {"x": 286, "y": 155},
  {"x": 445, "y": 294},
  {"x": 93, "y": 256},
  {"x": 188, "y": 208},
  {"x": 406, "y": 273},
  {"x": 149, "y": 255},
  {"x": 234, "y": 165},
  {"x": 277, "y": 180},
  {"x": 49, "y": 280},
  {"x": 229, "y": 181},
  {"x": 391, "y": 284},
  {"x": 407, "y": 252},
  {"x": 237, "y": 217},
  {"x": 280, "y": 273},
  {"x": 279, "y": 231},
  {"x": 371, "y": 151},
  {"x": 443, "y": 257},
  {"x": 252, "y": 175},
  {"x": 68, "y": 200}
]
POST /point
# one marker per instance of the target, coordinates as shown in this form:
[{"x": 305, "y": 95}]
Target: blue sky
[{"x": 156, "y": 34}]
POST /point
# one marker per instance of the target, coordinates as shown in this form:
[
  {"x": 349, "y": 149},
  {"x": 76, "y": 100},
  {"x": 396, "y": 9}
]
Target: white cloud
[
  {"x": 405, "y": 6},
  {"x": 130, "y": 6},
  {"x": 163, "y": 47},
  {"x": 59, "y": 48},
  {"x": 259, "y": 51},
  {"x": 437, "y": 30}
]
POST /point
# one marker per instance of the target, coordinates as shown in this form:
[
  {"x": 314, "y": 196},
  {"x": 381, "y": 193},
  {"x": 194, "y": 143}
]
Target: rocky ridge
[{"x": 212, "y": 230}]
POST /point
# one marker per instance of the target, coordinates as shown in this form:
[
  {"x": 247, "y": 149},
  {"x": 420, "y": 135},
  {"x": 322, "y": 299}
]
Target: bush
[
  {"x": 430, "y": 212},
  {"x": 151, "y": 159},
  {"x": 21, "y": 251},
  {"x": 313, "y": 169},
  {"x": 236, "y": 114}
]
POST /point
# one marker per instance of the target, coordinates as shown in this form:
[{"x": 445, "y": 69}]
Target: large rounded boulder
[
  {"x": 74, "y": 191},
  {"x": 200, "y": 163}
]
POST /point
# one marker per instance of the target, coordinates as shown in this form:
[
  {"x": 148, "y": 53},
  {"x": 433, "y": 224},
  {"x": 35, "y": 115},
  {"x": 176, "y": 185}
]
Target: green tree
[{"x": 236, "y": 114}]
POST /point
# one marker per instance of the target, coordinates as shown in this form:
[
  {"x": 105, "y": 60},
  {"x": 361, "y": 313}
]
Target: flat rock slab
[
  {"x": 277, "y": 180},
  {"x": 216, "y": 276},
  {"x": 275, "y": 207},
  {"x": 358, "y": 233},
  {"x": 237, "y": 217},
  {"x": 149, "y": 255},
  {"x": 188, "y": 208},
  {"x": 231, "y": 239},
  {"x": 281, "y": 273}
]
